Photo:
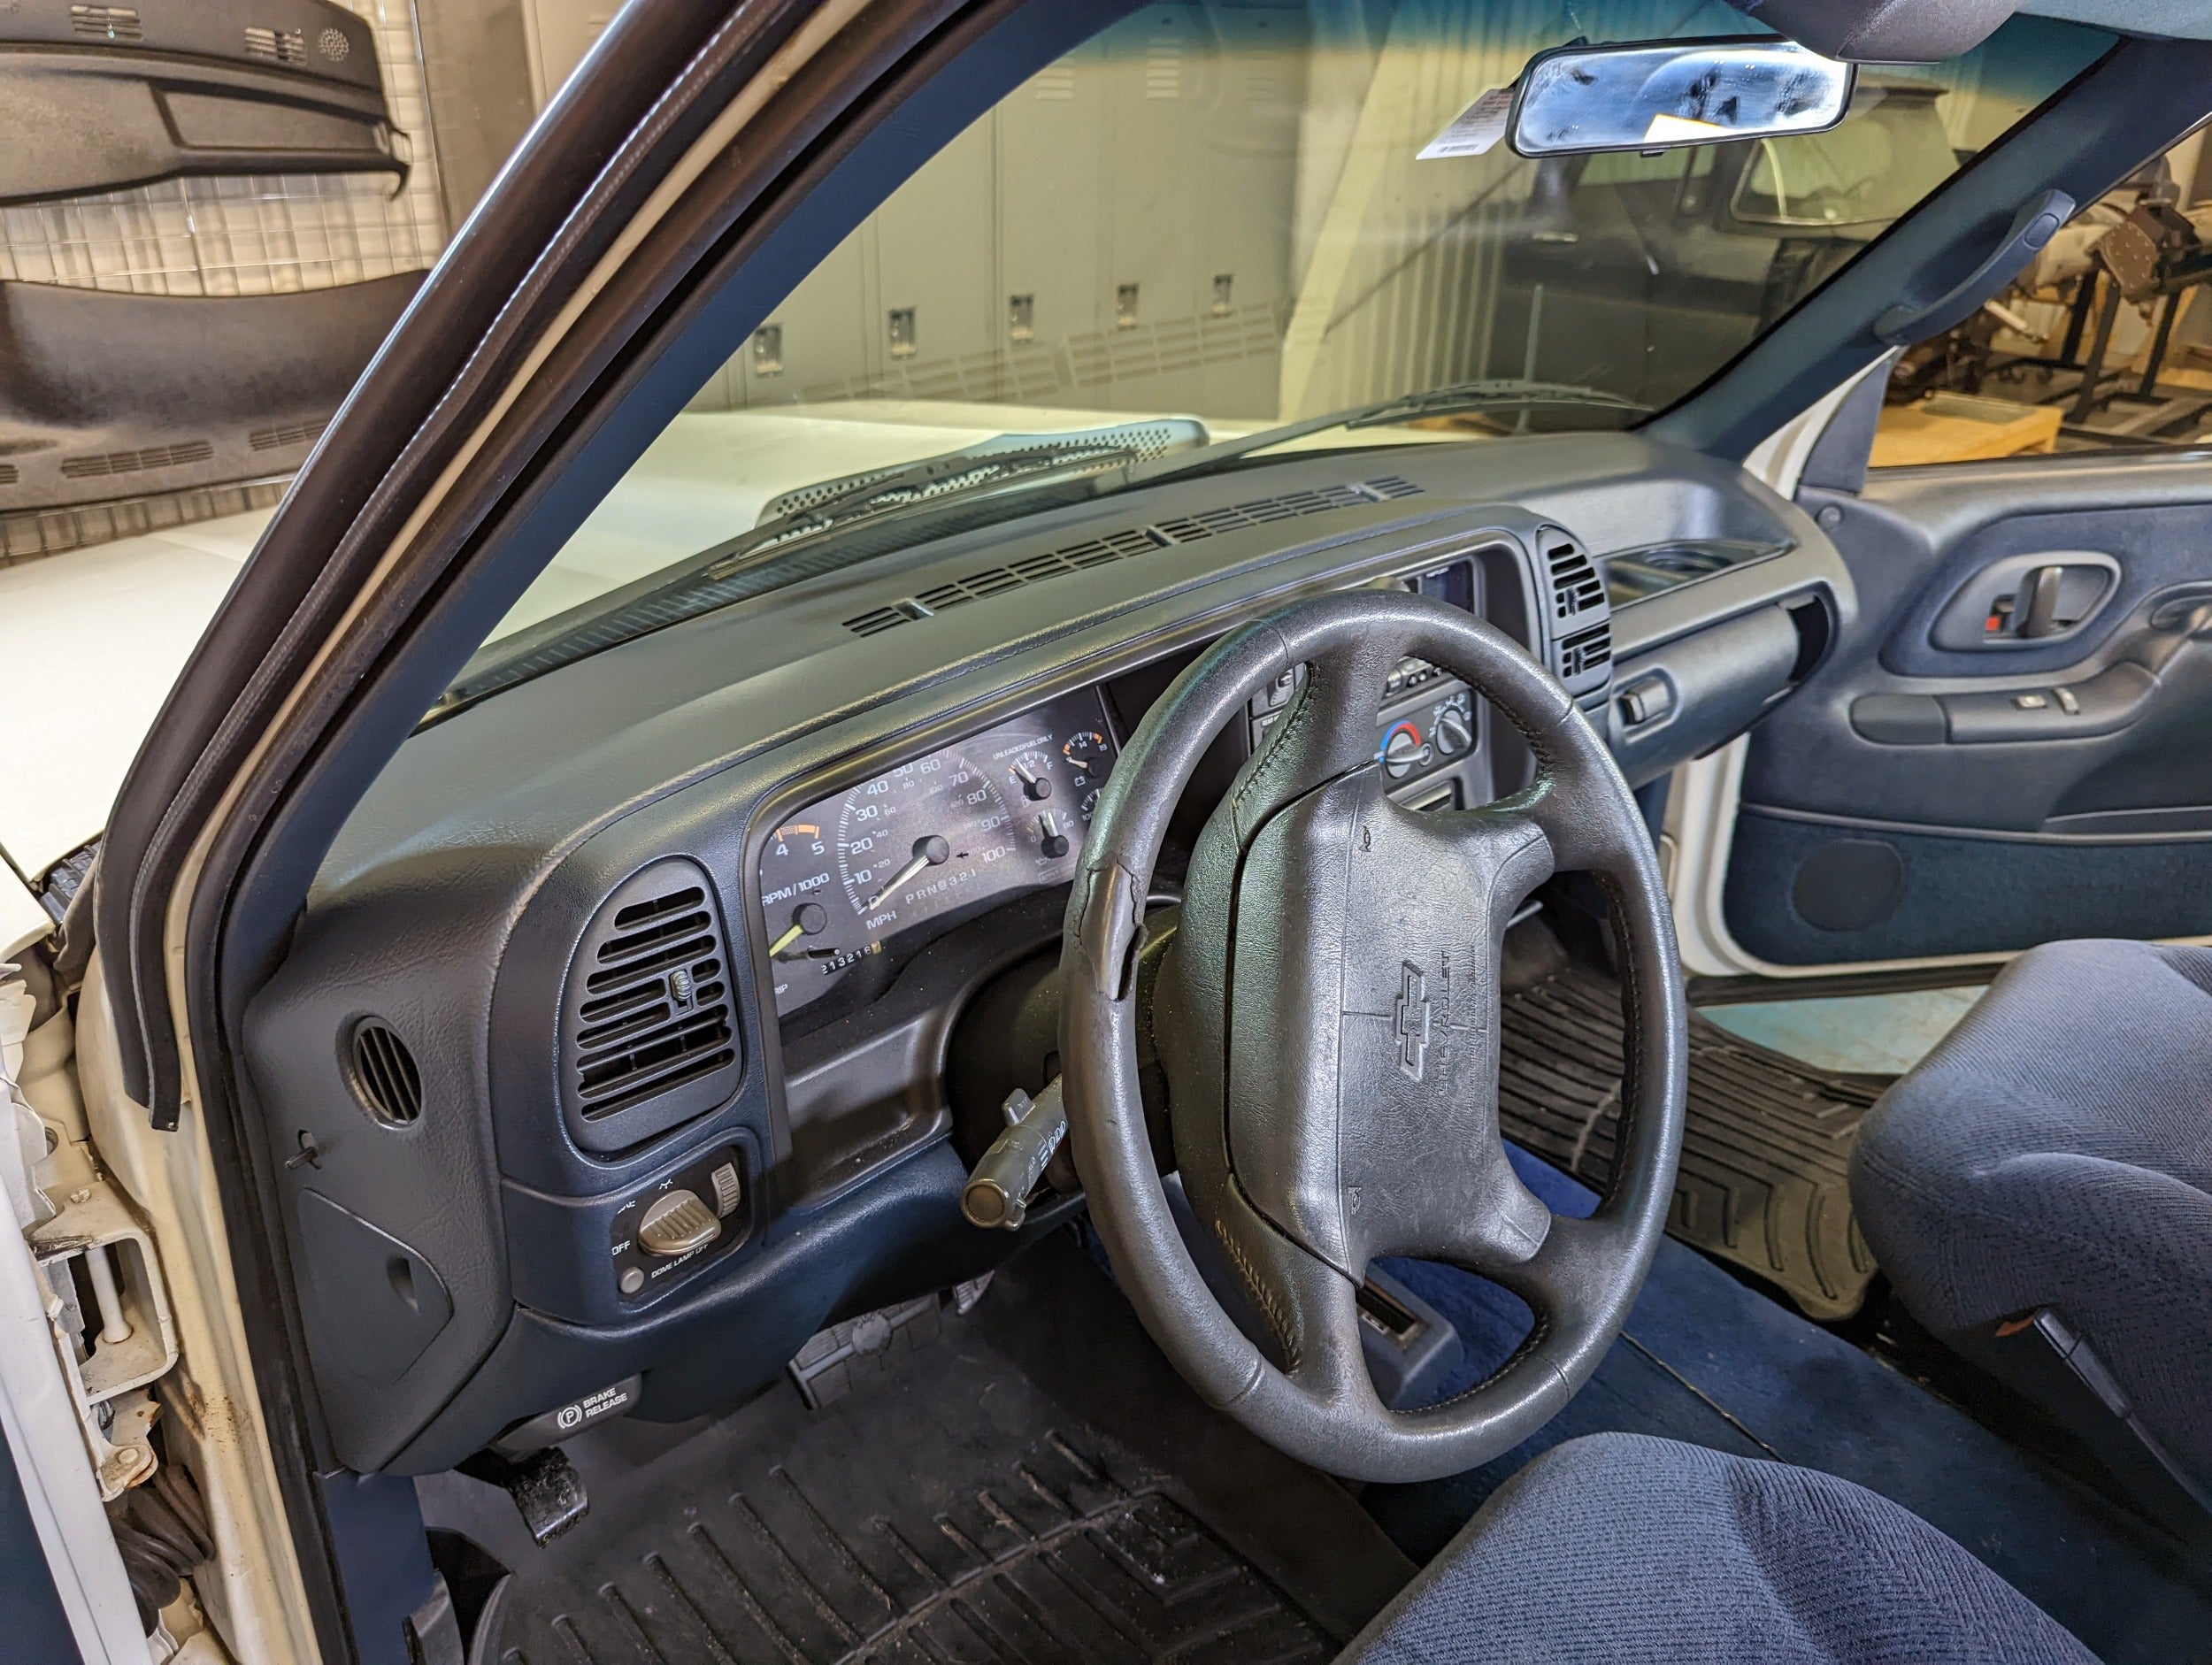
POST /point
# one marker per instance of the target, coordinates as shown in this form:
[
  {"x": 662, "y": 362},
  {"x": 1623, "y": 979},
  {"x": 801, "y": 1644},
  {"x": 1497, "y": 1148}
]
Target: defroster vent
[
  {"x": 1130, "y": 541},
  {"x": 648, "y": 1022}
]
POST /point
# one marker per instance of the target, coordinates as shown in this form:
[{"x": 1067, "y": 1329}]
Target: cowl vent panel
[{"x": 648, "y": 1021}]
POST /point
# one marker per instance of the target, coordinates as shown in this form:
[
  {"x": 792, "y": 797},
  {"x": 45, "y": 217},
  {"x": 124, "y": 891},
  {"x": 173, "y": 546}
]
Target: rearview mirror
[{"x": 1656, "y": 96}]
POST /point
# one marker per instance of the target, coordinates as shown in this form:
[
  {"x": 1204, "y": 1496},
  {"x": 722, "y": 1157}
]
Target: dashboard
[
  {"x": 852, "y": 882},
  {"x": 716, "y": 953}
]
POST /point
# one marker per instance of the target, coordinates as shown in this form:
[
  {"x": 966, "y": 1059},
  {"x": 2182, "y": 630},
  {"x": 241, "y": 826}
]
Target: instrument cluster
[{"x": 1001, "y": 811}]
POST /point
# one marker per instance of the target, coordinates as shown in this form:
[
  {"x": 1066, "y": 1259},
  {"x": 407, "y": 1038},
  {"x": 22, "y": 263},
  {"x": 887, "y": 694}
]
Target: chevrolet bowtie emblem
[{"x": 1412, "y": 1022}]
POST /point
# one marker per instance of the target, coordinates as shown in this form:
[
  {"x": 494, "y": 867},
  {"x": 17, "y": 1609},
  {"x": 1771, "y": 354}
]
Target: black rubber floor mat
[
  {"x": 1764, "y": 1159},
  {"x": 1055, "y": 1558},
  {"x": 959, "y": 1509}
]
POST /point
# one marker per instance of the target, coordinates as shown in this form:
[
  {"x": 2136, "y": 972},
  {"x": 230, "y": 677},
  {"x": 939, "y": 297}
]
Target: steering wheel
[{"x": 1327, "y": 1017}]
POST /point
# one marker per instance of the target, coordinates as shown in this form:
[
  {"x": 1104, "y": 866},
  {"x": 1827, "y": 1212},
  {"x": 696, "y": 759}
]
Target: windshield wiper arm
[
  {"x": 1494, "y": 394},
  {"x": 1508, "y": 393},
  {"x": 994, "y": 462}
]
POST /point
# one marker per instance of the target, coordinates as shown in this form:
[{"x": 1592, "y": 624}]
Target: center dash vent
[
  {"x": 1580, "y": 627},
  {"x": 1575, "y": 584},
  {"x": 648, "y": 1029},
  {"x": 1133, "y": 540}
]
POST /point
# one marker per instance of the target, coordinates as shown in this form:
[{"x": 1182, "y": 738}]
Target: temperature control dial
[{"x": 1403, "y": 750}]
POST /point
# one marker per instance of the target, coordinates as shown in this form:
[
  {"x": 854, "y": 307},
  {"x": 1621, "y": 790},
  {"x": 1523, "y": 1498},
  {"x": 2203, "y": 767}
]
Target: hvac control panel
[{"x": 1429, "y": 735}]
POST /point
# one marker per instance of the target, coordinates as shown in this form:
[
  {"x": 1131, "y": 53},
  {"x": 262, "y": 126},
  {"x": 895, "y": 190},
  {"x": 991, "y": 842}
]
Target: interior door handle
[
  {"x": 2032, "y": 227},
  {"x": 2023, "y": 600},
  {"x": 2037, "y": 607}
]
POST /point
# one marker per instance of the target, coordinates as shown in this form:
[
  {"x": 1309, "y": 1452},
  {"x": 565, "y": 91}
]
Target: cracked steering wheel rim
[{"x": 1375, "y": 1132}]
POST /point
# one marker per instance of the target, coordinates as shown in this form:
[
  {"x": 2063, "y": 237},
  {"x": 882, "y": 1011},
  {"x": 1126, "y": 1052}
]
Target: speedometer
[{"x": 918, "y": 840}]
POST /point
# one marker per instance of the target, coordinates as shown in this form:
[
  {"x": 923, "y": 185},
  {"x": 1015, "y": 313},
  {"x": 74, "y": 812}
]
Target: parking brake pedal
[{"x": 546, "y": 1488}]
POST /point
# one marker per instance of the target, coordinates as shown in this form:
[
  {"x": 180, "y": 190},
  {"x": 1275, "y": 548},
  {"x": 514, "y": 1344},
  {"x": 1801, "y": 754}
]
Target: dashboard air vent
[
  {"x": 1575, "y": 584},
  {"x": 385, "y": 1077},
  {"x": 1585, "y": 651},
  {"x": 1581, "y": 623},
  {"x": 649, "y": 1025},
  {"x": 1132, "y": 541}
]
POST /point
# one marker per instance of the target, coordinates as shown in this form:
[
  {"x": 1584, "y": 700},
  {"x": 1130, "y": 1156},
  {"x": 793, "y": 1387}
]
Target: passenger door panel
[{"x": 1930, "y": 793}]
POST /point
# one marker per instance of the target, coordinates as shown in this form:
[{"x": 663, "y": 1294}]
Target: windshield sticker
[{"x": 1475, "y": 129}]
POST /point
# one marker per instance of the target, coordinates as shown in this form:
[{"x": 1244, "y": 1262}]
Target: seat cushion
[
  {"x": 2055, "y": 1150},
  {"x": 1620, "y": 1547}
]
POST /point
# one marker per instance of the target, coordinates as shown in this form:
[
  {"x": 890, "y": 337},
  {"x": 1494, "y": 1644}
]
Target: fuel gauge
[{"x": 1031, "y": 774}]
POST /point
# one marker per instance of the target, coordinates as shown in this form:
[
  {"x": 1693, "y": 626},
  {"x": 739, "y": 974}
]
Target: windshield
[
  {"x": 1214, "y": 219},
  {"x": 1867, "y": 173}
]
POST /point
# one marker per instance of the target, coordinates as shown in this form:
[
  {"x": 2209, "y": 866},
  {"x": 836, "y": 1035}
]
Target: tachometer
[
  {"x": 917, "y": 842},
  {"x": 797, "y": 876},
  {"x": 808, "y": 944}
]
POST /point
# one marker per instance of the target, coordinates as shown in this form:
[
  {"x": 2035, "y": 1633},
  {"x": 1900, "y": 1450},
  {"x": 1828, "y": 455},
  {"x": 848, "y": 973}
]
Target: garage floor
[{"x": 1862, "y": 1034}]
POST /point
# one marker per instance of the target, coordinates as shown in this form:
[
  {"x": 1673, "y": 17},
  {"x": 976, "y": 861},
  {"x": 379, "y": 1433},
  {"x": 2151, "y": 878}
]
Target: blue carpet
[{"x": 1706, "y": 1359}]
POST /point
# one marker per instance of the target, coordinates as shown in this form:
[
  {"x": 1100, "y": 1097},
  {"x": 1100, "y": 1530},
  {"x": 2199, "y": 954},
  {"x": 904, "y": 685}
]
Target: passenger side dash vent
[
  {"x": 1133, "y": 540},
  {"x": 1580, "y": 626},
  {"x": 649, "y": 1030}
]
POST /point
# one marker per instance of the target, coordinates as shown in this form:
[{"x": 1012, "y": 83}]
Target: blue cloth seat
[
  {"x": 1623, "y": 1547},
  {"x": 2055, "y": 1152}
]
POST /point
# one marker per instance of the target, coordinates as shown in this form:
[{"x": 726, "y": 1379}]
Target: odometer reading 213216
[{"x": 1000, "y": 812}]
